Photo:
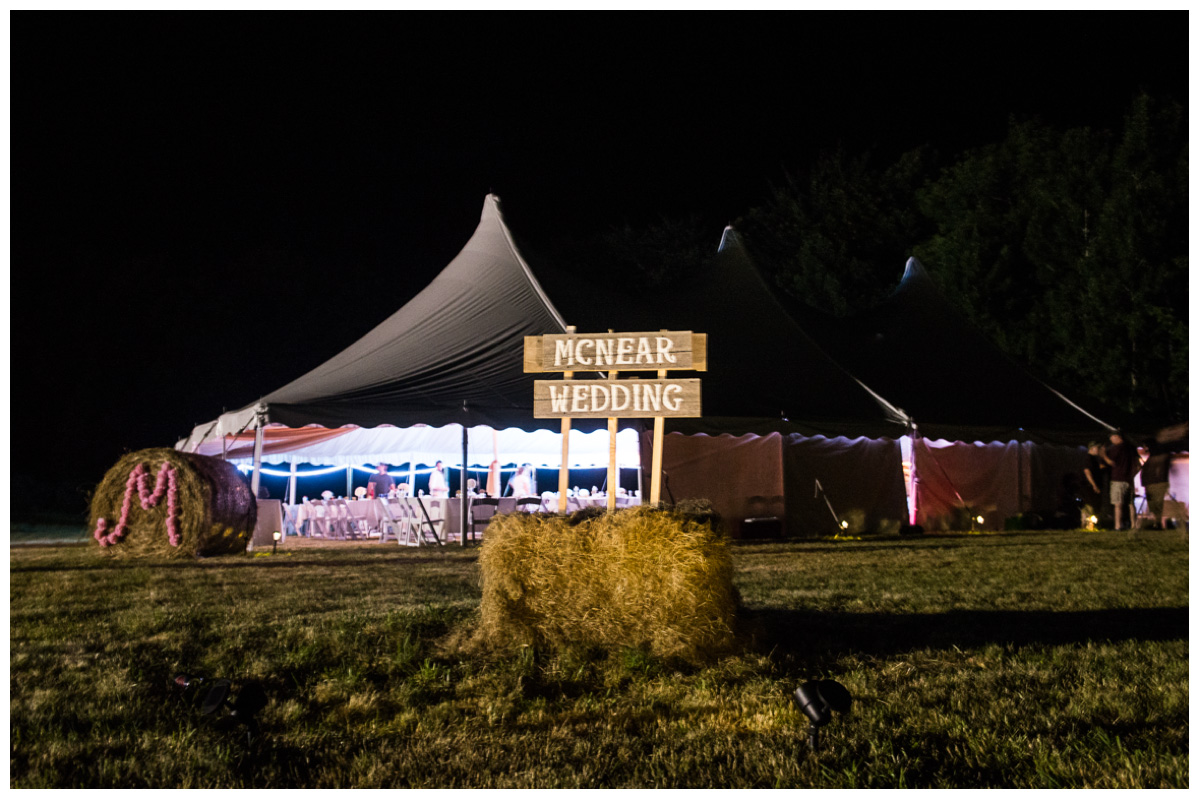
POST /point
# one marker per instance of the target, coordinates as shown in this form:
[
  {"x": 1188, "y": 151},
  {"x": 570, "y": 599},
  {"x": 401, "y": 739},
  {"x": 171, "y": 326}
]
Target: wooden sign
[
  {"x": 617, "y": 398},
  {"x": 625, "y": 352},
  {"x": 574, "y": 353}
]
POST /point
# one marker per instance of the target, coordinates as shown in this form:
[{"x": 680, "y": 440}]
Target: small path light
[
  {"x": 213, "y": 695},
  {"x": 817, "y": 700},
  {"x": 275, "y": 545}
]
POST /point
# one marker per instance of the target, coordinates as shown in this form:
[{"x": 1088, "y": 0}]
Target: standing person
[
  {"x": 1156, "y": 479},
  {"x": 380, "y": 484},
  {"x": 521, "y": 485},
  {"x": 1095, "y": 486},
  {"x": 1123, "y": 460},
  {"x": 438, "y": 487}
]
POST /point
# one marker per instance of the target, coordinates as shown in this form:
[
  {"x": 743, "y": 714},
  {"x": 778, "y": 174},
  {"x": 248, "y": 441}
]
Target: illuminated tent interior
[{"x": 418, "y": 448}]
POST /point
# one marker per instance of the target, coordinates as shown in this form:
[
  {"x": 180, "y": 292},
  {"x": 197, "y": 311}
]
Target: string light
[{"x": 278, "y": 473}]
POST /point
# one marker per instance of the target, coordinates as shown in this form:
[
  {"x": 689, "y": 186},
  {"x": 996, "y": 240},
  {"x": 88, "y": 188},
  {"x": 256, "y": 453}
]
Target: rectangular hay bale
[{"x": 640, "y": 577}]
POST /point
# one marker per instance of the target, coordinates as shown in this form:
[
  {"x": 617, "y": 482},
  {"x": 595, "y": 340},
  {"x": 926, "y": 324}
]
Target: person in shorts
[{"x": 1122, "y": 459}]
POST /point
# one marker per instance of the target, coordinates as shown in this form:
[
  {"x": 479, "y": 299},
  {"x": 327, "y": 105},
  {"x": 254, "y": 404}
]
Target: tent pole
[
  {"x": 916, "y": 478},
  {"x": 412, "y": 476},
  {"x": 292, "y": 486},
  {"x": 349, "y": 482},
  {"x": 258, "y": 447},
  {"x": 462, "y": 489}
]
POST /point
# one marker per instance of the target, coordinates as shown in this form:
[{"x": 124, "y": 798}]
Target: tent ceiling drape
[{"x": 353, "y": 446}]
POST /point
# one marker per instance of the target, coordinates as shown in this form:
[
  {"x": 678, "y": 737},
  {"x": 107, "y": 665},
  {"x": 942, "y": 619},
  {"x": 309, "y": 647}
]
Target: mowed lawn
[{"x": 1004, "y": 660}]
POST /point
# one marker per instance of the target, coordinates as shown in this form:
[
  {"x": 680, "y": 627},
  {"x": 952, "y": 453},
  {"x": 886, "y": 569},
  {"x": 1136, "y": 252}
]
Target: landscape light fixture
[
  {"x": 817, "y": 700},
  {"x": 276, "y": 536},
  {"x": 213, "y": 695},
  {"x": 845, "y": 525}
]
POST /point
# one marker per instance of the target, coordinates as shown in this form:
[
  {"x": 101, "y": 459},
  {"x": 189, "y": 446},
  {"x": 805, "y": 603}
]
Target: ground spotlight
[
  {"x": 817, "y": 700},
  {"x": 210, "y": 696},
  {"x": 274, "y": 545}
]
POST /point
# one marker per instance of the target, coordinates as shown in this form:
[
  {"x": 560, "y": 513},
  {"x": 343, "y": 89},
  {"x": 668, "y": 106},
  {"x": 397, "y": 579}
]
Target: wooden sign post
[{"x": 611, "y": 397}]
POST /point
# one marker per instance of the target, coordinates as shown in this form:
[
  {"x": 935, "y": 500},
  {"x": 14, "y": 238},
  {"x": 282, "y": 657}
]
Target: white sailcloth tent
[{"x": 441, "y": 378}]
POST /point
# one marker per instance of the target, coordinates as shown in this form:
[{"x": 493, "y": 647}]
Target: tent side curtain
[
  {"x": 862, "y": 484},
  {"x": 739, "y": 475},
  {"x": 773, "y": 476},
  {"x": 957, "y": 481}
]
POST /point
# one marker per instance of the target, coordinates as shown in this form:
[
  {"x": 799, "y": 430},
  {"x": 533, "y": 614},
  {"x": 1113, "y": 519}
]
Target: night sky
[{"x": 205, "y": 206}]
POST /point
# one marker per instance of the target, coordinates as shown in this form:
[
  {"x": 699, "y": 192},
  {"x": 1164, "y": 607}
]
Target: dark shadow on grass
[
  {"x": 244, "y": 562},
  {"x": 821, "y": 635},
  {"x": 892, "y": 543}
]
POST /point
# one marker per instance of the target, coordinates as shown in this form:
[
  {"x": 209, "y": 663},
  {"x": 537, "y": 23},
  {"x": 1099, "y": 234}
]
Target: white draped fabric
[{"x": 426, "y": 445}]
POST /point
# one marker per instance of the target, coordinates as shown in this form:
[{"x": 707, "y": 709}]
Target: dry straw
[
  {"x": 216, "y": 510},
  {"x": 641, "y": 577}
]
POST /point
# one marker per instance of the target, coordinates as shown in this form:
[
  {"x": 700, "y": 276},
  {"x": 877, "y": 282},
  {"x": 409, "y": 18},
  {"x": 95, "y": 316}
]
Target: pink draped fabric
[
  {"x": 275, "y": 440},
  {"x": 960, "y": 481}
]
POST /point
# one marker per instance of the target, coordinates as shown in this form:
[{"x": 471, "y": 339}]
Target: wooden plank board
[
  {"x": 627, "y": 352},
  {"x": 616, "y": 398}
]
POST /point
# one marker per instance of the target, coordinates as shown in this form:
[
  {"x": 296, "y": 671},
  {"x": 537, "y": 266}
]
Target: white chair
[
  {"x": 339, "y": 519},
  {"x": 398, "y": 519},
  {"x": 356, "y": 524},
  {"x": 431, "y": 516},
  {"x": 315, "y": 516}
]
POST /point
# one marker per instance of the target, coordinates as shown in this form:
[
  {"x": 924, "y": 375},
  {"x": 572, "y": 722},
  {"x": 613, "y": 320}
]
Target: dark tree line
[{"x": 1069, "y": 248}]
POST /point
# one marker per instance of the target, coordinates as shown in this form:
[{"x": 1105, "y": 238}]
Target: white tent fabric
[
  {"x": 426, "y": 445},
  {"x": 452, "y": 354}
]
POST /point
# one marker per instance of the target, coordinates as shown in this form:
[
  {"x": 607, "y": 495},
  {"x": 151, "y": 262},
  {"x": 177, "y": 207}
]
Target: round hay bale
[{"x": 163, "y": 503}]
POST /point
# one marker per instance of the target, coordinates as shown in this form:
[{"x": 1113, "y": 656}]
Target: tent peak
[
  {"x": 729, "y": 238},
  {"x": 913, "y": 270}
]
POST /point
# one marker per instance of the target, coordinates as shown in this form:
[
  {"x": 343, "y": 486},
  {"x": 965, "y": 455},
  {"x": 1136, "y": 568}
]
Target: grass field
[{"x": 1006, "y": 660}]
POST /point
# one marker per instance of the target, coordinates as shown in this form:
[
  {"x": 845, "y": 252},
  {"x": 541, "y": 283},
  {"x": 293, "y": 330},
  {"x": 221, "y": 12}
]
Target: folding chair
[
  {"x": 525, "y": 502},
  {"x": 431, "y": 519},
  {"x": 397, "y": 518},
  {"x": 289, "y": 522},
  {"x": 482, "y": 510},
  {"x": 337, "y": 518},
  {"x": 317, "y": 519},
  {"x": 357, "y": 524}
]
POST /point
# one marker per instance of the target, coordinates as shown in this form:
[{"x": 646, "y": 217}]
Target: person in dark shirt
[
  {"x": 1095, "y": 486},
  {"x": 1123, "y": 460},
  {"x": 379, "y": 484}
]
